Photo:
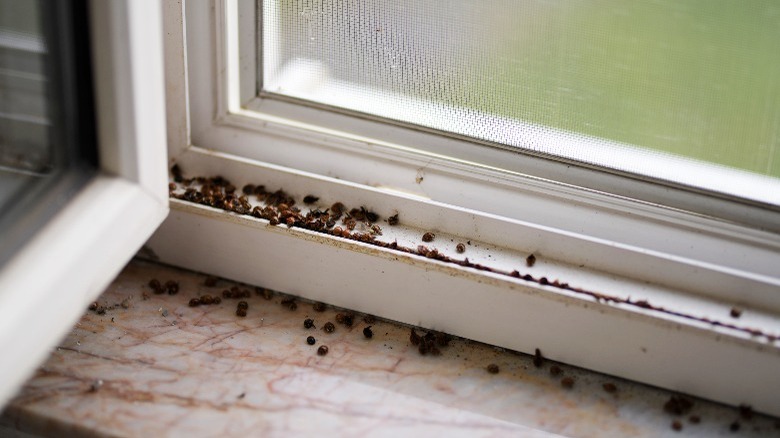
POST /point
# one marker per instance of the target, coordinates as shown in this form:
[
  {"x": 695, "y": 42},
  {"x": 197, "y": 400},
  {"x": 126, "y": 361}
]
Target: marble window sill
[{"x": 153, "y": 366}]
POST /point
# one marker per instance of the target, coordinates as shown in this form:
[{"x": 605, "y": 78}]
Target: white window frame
[
  {"x": 49, "y": 282},
  {"x": 690, "y": 264}
]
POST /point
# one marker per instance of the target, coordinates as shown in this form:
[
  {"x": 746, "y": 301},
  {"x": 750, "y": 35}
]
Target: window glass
[
  {"x": 47, "y": 146},
  {"x": 608, "y": 82},
  {"x": 24, "y": 133}
]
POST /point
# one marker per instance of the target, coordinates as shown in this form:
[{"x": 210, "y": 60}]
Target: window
[
  {"x": 620, "y": 86},
  {"x": 623, "y": 283},
  {"x": 91, "y": 183}
]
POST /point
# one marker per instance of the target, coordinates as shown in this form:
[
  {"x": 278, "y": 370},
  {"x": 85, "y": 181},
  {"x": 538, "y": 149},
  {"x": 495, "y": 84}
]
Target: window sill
[{"x": 161, "y": 367}]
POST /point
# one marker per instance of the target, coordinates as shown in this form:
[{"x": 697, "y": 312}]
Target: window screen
[{"x": 616, "y": 83}]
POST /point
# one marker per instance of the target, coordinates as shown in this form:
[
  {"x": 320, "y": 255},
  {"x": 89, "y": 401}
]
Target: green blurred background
[
  {"x": 698, "y": 78},
  {"x": 695, "y": 78}
]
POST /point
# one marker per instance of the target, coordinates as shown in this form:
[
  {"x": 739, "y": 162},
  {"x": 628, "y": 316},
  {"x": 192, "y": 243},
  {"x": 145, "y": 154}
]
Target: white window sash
[{"x": 68, "y": 263}]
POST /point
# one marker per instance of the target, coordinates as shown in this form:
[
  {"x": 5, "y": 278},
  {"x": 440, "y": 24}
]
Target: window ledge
[{"x": 173, "y": 369}]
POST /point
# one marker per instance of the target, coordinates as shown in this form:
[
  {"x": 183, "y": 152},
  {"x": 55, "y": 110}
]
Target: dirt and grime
[{"x": 357, "y": 224}]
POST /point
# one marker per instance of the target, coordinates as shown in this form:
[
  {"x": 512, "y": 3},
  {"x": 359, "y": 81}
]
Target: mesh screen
[{"x": 696, "y": 78}]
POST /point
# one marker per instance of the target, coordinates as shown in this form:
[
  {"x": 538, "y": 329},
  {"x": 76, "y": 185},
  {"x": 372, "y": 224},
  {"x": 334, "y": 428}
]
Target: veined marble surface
[{"x": 151, "y": 365}]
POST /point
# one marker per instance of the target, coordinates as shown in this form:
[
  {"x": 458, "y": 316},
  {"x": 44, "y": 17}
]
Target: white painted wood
[{"x": 47, "y": 285}]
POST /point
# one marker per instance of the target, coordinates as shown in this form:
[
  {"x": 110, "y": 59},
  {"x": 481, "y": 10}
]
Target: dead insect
[
  {"x": 241, "y": 312},
  {"x": 567, "y": 382},
  {"x": 369, "y": 215},
  {"x": 678, "y": 405},
  {"x": 538, "y": 359},
  {"x": 290, "y": 303},
  {"x": 345, "y": 318},
  {"x": 428, "y": 237},
  {"x": 414, "y": 338},
  {"x": 171, "y": 187},
  {"x": 217, "y": 300},
  {"x": 442, "y": 339},
  {"x": 206, "y": 300},
  {"x": 393, "y": 220},
  {"x": 318, "y": 307},
  {"x": 249, "y": 189},
  {"x": 368, "y": 333},
  {"x": 338, "y": 208},
  {"x": 172, "y": 287},
  {"x": 555, "y": 370},
  {"x": 194, "y": 302},
  {"x": 530, "y": 260},
  {"x": 329, "y": 327},
  {"x": 609, "y": 387},
  {"x": 323, "y": 350},
  {"x": 310, "y": 340},
  {"x": 492, "y": 368},
  {"x": 310, "y": 199},
  {"x": 242, "y": 305},
  {"x": 676, "y": 425},
  {"x": 210, "y": 281},
  {"x": 177, "y": 173},
  {"x": 746, "y": 411},
  {"x": 308, "y": 323},
  {"x": 460, "y": 248},
  {"x": 267, "y": 293},
  {"x": 155, "y": 286},
  {"x": 735, "y": 312},
  {"x": 93, "y": 306},
  {"x": 358, "y": 214}
]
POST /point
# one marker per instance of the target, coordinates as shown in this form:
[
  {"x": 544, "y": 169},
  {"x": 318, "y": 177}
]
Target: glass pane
[
  {"x": 24, "y": 136},
  {"x": 47, "y": 146},
  {"x": 622, "y": 84}
]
